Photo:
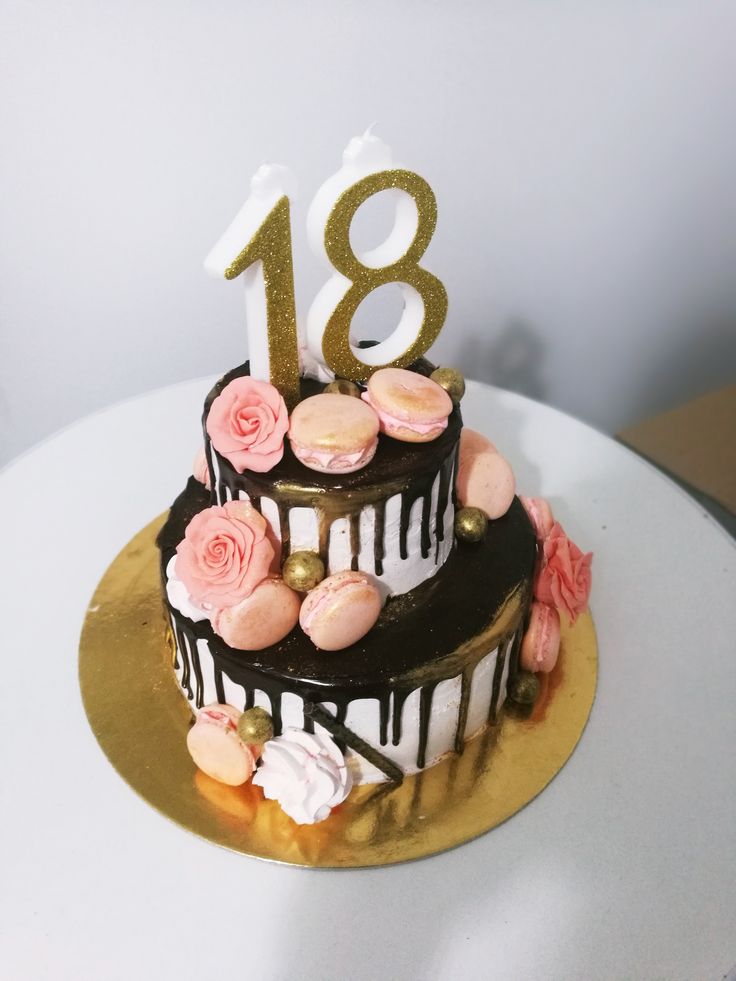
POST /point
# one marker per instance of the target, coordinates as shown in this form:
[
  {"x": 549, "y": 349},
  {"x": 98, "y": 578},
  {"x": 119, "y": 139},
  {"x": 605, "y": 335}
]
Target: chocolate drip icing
[
  {"x": 503, "y": 647},
  {"x": 384, "y": 706},
  {"x": 275, "y": 699},
  {"x": 406, "y": 469},
  {"x": 399, "y": 697},
  {"x": 443, "y": 496},
  {"x": 425, "y": 710},
  {"x": 379, "y": 535},
  {"x": 354, "y": 540},
  {"x": 462, "y": 712},
  {"x": 184, "y": 651},
  {"x": 199, "y": 683},
  {"x": 284, "y": 531},
  {"x": 440, "y": 630},
  {"x": 186, "y": 641},
  {"x": 219, "y": 687}
]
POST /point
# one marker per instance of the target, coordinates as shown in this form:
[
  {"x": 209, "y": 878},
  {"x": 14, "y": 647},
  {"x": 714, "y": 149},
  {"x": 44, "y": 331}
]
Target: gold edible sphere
[
  {"x": 341, "y": 386},
  {"x": 524, "y": 688},
  {"x": 255, "y": 726},
  {"x": 451, "y": 380},
  {"x": 470, "y": 524},
  {"x": 303, "y": 570}
]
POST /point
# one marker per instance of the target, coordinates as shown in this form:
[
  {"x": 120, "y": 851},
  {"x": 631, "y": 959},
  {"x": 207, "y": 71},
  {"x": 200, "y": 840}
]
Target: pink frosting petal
[
  {"x": 225, "y": 554},
  {"x": 247, "y": 423},
  {"x": 564, "y": 577}
]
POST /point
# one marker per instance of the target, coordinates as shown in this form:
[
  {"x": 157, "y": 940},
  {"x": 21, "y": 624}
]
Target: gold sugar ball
[
  {"x": 524, "y": 688},
  {"x": 255, "y": 726},
  {"x": 451, "y": 380},
  {"x": 303, "y": 570},
  {"x": 470, "y": 524},
  {"x": 341, "y": 386}
]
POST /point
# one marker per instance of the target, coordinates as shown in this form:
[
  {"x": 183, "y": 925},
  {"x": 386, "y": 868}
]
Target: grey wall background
[{"x": 583, "y": 156}]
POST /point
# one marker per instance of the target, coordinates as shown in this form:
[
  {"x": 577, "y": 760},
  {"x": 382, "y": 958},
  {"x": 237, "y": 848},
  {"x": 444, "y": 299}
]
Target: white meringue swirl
[{"x": 306, "y": 773}]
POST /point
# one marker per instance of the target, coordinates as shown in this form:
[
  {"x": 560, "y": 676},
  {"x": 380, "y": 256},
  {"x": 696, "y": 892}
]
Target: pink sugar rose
[
  {"x": 247, "y": 423},
  {"x": 225, "y": 554},
  {"x": 564, "y": 577}
]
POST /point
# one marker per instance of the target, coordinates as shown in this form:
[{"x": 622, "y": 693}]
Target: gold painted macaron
[{"x": 411, "y": 407}]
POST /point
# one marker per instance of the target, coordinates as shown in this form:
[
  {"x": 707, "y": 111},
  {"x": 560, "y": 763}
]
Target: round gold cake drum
[{"x": 140, "y": 719}]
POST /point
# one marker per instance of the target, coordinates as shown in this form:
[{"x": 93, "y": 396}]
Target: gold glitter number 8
[{"x": 425, "y": 296}]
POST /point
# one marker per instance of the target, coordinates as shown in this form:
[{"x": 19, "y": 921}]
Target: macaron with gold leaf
[
  {"x": 540, "y": 646},
  {"x": 340, "y": 610},
  {"x": 410, "y": 407},
  {"x": 333, "y": 433},
  {"x": 263, "y": 618}
]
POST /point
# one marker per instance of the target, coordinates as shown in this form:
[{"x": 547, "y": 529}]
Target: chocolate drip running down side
[
  {"x": 438, "y": 631},
  {"x": 409, "y": 470}
]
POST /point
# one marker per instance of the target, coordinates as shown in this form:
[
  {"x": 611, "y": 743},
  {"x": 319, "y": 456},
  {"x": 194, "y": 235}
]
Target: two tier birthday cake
[{"x": 353, "y": 587}]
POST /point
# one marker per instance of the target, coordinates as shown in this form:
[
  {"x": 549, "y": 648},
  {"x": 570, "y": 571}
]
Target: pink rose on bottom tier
[
  {"x": 225, "y": 554},
  {"x": 564, "y": 576}
]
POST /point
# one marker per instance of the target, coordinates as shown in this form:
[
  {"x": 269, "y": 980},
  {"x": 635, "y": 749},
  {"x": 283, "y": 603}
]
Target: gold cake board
[{"x": 141, "y": 719}]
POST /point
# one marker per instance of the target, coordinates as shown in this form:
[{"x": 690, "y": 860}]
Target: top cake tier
[{"x": 393, "y": 519}]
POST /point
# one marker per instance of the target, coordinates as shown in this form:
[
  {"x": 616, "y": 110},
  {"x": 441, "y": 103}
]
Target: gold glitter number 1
[
  {"x": 271, "y": 246},
  {"x": 417, "y": 330}
]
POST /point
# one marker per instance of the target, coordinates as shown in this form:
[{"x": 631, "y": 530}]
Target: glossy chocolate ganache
[
  {"x": 441, "y": 630},
  {"x": 398, "y": 477}
]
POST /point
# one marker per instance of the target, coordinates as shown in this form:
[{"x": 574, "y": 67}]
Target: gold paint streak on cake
[{"x": 140, "y": 718}]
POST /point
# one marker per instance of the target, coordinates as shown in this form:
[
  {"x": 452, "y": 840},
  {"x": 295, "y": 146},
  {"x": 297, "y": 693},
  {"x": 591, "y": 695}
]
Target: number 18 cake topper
[{"x": 258, "y": 245}]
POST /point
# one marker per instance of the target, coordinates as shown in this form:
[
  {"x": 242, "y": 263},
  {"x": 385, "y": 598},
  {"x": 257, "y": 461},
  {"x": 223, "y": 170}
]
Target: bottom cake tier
[{"x": 431, "y": 673}]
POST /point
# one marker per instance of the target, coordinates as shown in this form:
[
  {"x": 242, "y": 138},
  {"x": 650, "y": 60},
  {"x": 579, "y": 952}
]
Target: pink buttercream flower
[
  {"x": 225, "y": 554},
  {"x": 563, "y": 579},
  {"x": 247, "y": 423}
]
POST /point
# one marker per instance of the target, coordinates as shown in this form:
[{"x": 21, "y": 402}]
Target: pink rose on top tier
[
  {"x": 225, "y": 554},
  {"x": 247, "y": 423},
  {"x": 564, "y": 577}
]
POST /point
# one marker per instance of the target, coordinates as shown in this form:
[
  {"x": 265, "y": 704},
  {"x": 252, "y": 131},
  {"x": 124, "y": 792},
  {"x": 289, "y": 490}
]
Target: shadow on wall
[
  {"x": 512, "y": 359},
  {"x": 699, "y": 358}
]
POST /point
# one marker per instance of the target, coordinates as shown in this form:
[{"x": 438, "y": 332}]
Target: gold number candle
[
  {"x": 367, "y": 171},
  {"x": 257, "y": 245}
]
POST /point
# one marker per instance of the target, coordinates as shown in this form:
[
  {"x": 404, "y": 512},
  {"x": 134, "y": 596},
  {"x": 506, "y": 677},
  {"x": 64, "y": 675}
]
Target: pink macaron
[
  {"x": 333, "y": 433},
  {"x": 410, "y": 407},
  {"x": 540, "y": 515},
  {"x": 340, "y": 611},
  {"x": 217, "y": 749},
  {"x": 541, "y": 644},
  {"x": 261, "y": 619},
  {"x": 485, "y": 479}
]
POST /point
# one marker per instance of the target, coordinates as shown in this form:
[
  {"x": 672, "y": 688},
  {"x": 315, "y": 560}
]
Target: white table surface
[{"x": 624, "y": 867}]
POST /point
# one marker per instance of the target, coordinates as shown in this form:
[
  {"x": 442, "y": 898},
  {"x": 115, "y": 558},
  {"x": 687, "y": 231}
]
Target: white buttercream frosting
[
  {"x": 306, "y": 773},
  {"x": 179, "y": 597},
  {"x": 363, "y": 714}
]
